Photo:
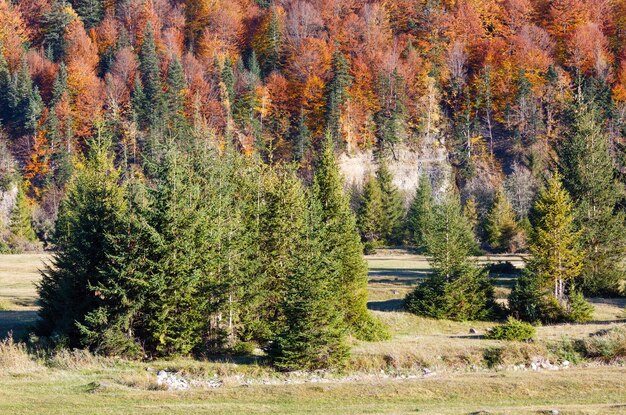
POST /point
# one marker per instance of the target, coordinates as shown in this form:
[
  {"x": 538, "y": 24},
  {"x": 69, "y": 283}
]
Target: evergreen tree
[
  {"x": 336, "y": 94},
  {"x": 392, "y": 205},
  {"x": 371, "y": 212},
  {"x": 314, "y": 333},
  {"x": 501, "y": 228},
  {"x": 93, "y": 207},
  {"x": 302, "y": 139},
  {"x": 90, "y": 11},
  {"x": 151, "y": 78},
  {"x": 344, "y": 248},
  {"x": 556, "y": 257},
  {"x": 268, "y": 43},
  {"x": 457, "y": 289},
  {"x": 388, "y": 118},
  {"x": 589, "y": 176},
  {"x": 20, "y": 221},
  {"x": 470, "y": 211},
  {"x": 53, "y": 24},
  {"x": 59, "y": 87},
  {"x": 420, "y": 215},
  {"x": 175, "y": 98},
  {"x": 178, "y": 260}
]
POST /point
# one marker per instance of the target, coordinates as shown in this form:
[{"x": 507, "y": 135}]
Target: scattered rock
[
  {"x": 565, "y": 363},
  {"x": 171, "y": 381},
  {"x": 473, "y": 331},
  {"x": 480, "y": 413}
]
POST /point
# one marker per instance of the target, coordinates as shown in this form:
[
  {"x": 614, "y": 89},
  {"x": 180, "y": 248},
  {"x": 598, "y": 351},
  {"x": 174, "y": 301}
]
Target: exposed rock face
[
  {"x": 7, "y": 200},
  {"x": 407, "y": 165}
]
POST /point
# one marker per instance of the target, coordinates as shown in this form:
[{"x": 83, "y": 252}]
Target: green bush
[
  {"x": 243, "y": 348},
  {"x": 579, "y": 310},
  {"x": 513, "y": 329}
]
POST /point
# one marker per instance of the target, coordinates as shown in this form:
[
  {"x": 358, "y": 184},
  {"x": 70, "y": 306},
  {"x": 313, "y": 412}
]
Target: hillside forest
[{"x": 180, "y": 158}]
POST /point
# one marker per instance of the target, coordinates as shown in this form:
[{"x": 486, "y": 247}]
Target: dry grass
[{"x": 14, "y": 358}]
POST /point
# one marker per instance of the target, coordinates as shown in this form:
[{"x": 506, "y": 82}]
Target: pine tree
[
  {"x": 420, "y": 215},
  {"x": 589, "y": 176},
  {"x": 336, "y": 94},
  {"x": 457, "y": 289},
  {"x": 501, "y": 227},
  {"x": 371, "y": 212},
  {"x": 344, "y": 248},
  {"x": 556, "y": 260},
  {"x": 92, "y": 208},
  {"x": 392, "y": 204}
]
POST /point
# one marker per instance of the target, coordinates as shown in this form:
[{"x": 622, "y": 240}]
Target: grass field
[{"x": 429, "y": 367}]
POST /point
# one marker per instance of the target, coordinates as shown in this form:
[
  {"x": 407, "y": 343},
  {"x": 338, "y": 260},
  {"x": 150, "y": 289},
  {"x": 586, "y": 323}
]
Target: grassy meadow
[{"x": 428, "y": 366}]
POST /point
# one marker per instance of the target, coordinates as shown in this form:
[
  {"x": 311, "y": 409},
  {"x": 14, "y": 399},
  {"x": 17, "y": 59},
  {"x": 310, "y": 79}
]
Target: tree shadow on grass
[
  {"x": 17, "y": 321},
  {"x": 387, "y": 305}
]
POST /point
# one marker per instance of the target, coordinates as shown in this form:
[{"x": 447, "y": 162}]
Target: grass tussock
[
  {"x": 14, "y": 357},
  {"x": 6, "y": 305},
  {"x": 78, "y": 360}
]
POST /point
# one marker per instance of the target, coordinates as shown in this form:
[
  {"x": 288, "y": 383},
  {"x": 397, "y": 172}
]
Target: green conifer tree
[
  {"x": 458, "y": 289},
  {"x": 370, "y": 212},
  {"x": 556, "y": 257},
  {"x": 501, "y": 227},
  {"x": 343, "y": 245},
  {"x": 20, "y": 221},
  {"x": 92, "y": 208},
  {"x": 151, "y": 78},
  {"x": 589, "y": 176},
  {"x": 314, "y": 333},
  {"x": 392, "y": 204},
  {"x": 420, "y": 215},
  {"x": 90, "y": 11},
  {"x": 336, "y": 94}
]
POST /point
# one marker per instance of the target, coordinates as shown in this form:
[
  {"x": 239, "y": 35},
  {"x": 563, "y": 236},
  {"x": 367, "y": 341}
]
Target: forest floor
[{"x": 428, "y": 366}]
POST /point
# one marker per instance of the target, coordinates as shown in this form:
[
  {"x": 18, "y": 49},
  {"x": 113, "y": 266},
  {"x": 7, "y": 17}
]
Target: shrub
[
  {"x": 607, "y": 345},
  {"x": 513, "y": 330},
  {"x": 579, "y": 310},
  {"x": 243, "y": 348}
]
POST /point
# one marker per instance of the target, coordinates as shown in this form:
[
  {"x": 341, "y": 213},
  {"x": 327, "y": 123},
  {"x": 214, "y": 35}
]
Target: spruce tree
[
  {"x": 20, "y": 221},
  {"x": 589, "y": 175},
  {"x": 91, "y": 12},
  {"x": 92, "y": 208},
  {"x": 53, "y": 24},
  {"x": 343, "y": 245},
  {"x": 370, "y": 212},
  {"x": 420, "y": 215},
  {"x": 556, "y": 257},
  {"x": 302, "y": 139},
  {"x": 501, "y": 228},
  {"x": 151, "y": 78},
  {"x": 175, "y": 98},
  {"x": 314, "y": 333},
  {"x": 336, "y": 94},
  {"x": 457, "y": 289},
  {"x": 392, "y": 204},
  {"x": 178, "y": 260}
]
